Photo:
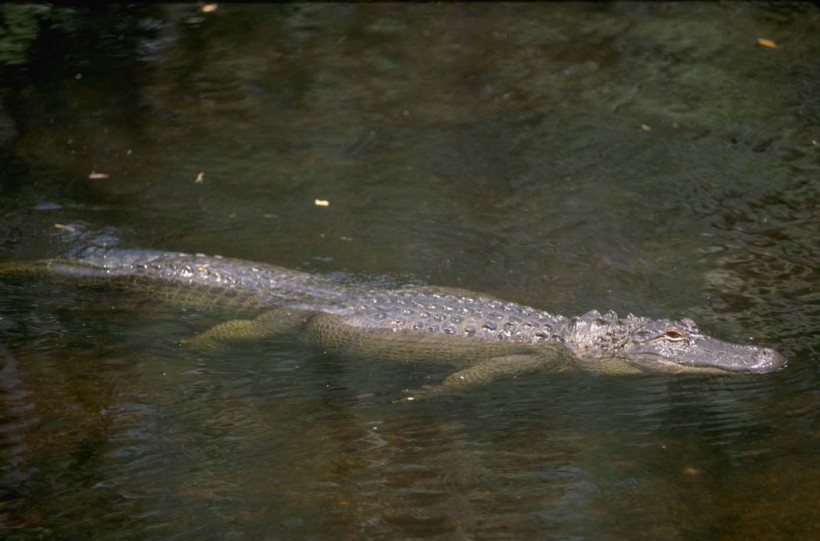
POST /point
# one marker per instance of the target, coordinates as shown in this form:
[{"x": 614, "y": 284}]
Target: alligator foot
[
  {"x": 483, "y": 372},
  {"x": 267, "y": 325}
]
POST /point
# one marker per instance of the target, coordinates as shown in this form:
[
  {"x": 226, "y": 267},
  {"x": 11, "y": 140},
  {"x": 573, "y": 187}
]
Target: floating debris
[
  {"x": 644, "y": 127},
  {"x": 209, "y": 8},
  {"x": 200, "y": 177},
  {"x": 97, "y": 176},
  {"x": 321, "y": 202},
  {"x": 767, "y": 43}
]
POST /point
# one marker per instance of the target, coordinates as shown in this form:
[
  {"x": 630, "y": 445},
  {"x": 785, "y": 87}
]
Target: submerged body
[{"x": 484, "y": 335}]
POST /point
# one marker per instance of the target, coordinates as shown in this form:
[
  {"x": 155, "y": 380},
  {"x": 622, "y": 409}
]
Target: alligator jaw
[{"x": 708, "y": 356}]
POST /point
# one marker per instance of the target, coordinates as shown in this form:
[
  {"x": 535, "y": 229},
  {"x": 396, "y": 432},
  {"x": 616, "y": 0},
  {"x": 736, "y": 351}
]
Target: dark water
[{"x": 650, "y": 158}]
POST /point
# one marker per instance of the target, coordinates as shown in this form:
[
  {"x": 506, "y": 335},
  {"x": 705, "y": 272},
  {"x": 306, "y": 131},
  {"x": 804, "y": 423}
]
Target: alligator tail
[{"x": 34, "y": 268}]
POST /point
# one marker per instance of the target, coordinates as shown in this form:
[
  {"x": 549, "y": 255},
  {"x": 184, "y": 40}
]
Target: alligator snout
[{"x": 767, "y": 360}]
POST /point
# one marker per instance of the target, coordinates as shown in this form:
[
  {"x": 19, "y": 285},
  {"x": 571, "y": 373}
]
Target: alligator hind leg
[
  {"x": 487, "y": 370},
  {"x": 267, "y": 325}
]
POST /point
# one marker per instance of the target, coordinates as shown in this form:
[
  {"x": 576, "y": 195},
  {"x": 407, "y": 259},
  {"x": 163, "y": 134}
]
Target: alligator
[{"x": 482, "y": 336}]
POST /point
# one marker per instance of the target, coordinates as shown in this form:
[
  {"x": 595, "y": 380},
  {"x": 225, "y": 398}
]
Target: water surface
[{"x": 649, "y": 158}]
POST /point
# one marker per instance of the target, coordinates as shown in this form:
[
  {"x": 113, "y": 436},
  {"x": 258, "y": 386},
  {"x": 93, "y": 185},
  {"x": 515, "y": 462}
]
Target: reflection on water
[{"x": 645, "y": 158}]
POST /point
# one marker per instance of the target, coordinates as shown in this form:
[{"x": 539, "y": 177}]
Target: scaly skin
[{"x": 483, "y": 336}]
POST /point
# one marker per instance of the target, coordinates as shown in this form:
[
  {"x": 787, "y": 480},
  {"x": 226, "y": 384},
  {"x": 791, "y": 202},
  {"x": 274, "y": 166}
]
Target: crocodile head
[
  {"x": 680, "y": 347},
  {"x": 663, "y": 345}
]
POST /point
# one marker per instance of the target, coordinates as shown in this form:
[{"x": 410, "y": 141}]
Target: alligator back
[{"x": 451, "y": 312}]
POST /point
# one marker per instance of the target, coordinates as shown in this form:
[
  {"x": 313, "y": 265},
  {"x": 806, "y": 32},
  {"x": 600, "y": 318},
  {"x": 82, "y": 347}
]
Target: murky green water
[{"x": 650, "y": 158}]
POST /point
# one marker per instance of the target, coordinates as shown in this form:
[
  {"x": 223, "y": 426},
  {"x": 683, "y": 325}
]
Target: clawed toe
[{"x": 413, "y": 395}]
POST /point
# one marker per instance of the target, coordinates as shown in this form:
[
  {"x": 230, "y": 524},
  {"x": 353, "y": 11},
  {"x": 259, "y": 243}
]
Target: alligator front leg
[
  {"x": 267, "y": 325},
  {"x": 485, "y": 371}
]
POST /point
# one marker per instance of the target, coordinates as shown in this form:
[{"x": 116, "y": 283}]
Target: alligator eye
[{"x": 674, "y": 334}]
